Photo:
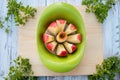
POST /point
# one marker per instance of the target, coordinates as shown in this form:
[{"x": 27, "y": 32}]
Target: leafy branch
[
  {"x": 99, "y": 7},
  {"x": 108, "y": 69},
  {"x": 22, "y": 70},
  {"x": 21, "y": 13}
]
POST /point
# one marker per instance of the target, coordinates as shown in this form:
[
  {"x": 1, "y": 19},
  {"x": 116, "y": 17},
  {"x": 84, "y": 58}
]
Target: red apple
[
  {"x": 61, "y": 51},
  {"x": 53, "y": 28},
  {"x": 51, "y": 46},
  {"x": 61, "y": 24},
  {"x": 75, "y": 38},
  {"x": 79, "y": 37},
  {"x": 70, "y": 47},
  {"x": 70, "y": 29},
  {"x": 47, "y": 38},
  {"x": 73, "y": 48}
]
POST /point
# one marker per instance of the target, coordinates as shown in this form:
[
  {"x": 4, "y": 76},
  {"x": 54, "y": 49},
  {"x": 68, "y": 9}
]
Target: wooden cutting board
[{"x": 93, "y": 52}]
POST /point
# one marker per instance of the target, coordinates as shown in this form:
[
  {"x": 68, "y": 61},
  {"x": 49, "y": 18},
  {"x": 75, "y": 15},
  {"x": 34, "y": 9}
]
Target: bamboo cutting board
[{"x": 93, "y": 52}]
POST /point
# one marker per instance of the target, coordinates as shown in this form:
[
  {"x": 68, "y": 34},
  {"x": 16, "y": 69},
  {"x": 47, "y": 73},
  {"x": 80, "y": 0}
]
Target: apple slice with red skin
[
  {"x": 53, "y": 28},
  {"x": 76, "y": 38},
  {"x": 61, "y": 51},
  {"x": 61, "y": 24},
  {"x": 70, "y": 29},
  {"x": 70, "y": 47},
  {"x": 47, "y": 38},
  {"x": 51, "y": 46}
]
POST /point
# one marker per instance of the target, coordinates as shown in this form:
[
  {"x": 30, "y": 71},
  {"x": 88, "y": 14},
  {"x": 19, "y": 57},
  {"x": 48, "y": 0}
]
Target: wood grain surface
[{"x": 93, "y": 52}]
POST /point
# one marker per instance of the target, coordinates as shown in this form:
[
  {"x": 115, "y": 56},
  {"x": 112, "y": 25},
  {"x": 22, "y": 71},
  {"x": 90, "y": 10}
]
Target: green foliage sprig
[
  {"x": 1, "y": 23},
  {"x": 22, "y": 70},
  {"x": 99, "y": 7},
  {"x": 21, "y": 13},
  {"x": 108, "y": 69}
]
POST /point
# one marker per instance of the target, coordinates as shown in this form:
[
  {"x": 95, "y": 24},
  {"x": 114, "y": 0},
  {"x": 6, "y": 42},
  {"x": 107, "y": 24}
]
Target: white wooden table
[{"x": 9, "y": 42}]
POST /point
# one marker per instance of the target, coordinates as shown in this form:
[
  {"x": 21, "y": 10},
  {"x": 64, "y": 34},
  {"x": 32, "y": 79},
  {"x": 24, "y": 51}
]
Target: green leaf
[
  {"x": 21, "y": 71},
  {"x": 15, "y": 9},
  {"x": 7, "y": 30},
  {"x": 99, "y": 8},
  {"x": 108, "y": 69}
]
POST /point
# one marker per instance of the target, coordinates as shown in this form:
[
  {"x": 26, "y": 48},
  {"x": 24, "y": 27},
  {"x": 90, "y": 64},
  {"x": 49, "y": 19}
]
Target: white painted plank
[
  {"x": 33, "y": 3},
  {"x": 13, "y": 41},
  {"x": 110, "y": 30},
  {"x": 116, "y": 30},
  {"x": 42, "y": 78},
  {"x": 76, "y": 78},
  {"x": 4, "y": 55}
]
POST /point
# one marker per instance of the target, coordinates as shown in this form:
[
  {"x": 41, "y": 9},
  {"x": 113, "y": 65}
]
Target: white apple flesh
[
  {"x": 61, "y": 51},
  {"x": 51, "y": 46},
  {"x": 70, "y": 47},
  {"x": 61, "y": 24},
  {"x": 70, "y": 29},
  {"x": 53, "y": 28},
  {"x": 76, "y": 38},
  {"x": 47, "y": 38}
]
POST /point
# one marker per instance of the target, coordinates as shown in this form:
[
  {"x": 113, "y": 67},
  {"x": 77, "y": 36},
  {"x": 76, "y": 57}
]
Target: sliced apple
[
  {"x": 75, "y": 38},
  {"x": 70, "y": 47},
  {"x": 51, "y": 46},
  {"x": 53, "y": 28},
  {"x": 61, "y": 51},
  {"x": 61, "y": 24},
  {"x": 47, "y": 38},
  {"x": 70, "y": 29}
]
